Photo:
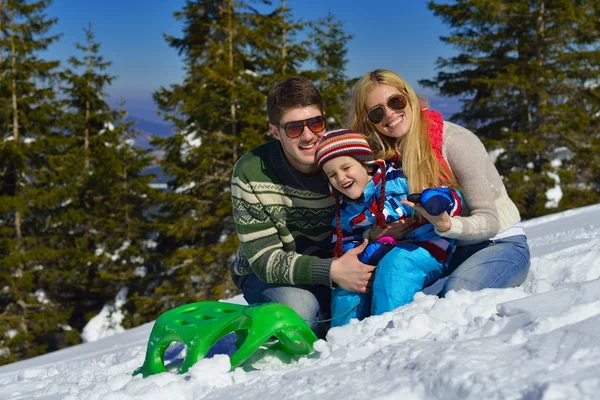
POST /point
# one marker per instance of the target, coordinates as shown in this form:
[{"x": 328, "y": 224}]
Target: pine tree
[
  {"x": 278, "y": 52},
  {"x": 105, "y": 222},
  {"x": 122, "y": 221},
  {"x": 329, "y": 54},
  {"x": 218, "y": 112},
  {"x": 89, "y": 117},
  {"x": 29, "y": 112},
  {"x": 527, "y": 77}
]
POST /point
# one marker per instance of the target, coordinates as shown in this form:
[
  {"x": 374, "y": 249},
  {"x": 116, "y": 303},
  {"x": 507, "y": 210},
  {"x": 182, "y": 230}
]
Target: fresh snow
[{"x": 538, "y": 341}]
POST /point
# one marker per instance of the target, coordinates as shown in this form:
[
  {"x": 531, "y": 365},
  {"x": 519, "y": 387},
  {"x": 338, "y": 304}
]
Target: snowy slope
[{"x": 539, "y": 341}]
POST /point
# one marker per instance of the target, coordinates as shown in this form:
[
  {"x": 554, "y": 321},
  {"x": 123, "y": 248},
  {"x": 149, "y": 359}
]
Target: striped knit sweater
[{"x": 282, "y": 219}]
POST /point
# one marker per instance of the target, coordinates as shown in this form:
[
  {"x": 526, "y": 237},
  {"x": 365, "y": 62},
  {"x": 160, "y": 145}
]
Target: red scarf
[{"x": 435, "y": 128}]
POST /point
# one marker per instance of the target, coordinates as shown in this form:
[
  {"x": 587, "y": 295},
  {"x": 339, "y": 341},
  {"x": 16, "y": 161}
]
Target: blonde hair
[{"x": 420, "y": 164}]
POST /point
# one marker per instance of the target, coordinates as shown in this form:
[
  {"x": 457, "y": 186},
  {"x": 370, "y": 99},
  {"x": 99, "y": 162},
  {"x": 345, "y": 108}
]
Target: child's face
[{"x": 347, "y": 175}]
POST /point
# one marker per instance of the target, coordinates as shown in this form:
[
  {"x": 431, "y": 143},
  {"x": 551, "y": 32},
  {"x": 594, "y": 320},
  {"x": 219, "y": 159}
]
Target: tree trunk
[
  {"x": 233, "y": 99},
  {"x": 123, "y": 142},
  {"x": 86, "y": 133},
  {"x": 15, "y": 120},
  {"x": 1, "y": 20},
  {"x": 284, "y": 38}
]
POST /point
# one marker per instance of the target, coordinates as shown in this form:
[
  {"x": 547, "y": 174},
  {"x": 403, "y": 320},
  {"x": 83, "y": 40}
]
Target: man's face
[{"x": 301, "y": 151}]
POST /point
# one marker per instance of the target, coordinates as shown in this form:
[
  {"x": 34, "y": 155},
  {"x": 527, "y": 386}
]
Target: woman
[{"x": 492, "y": 250}]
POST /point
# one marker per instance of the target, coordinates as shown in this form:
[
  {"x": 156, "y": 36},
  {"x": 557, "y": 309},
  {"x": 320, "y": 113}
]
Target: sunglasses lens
[
  {"x": 316, "y": 124},
  {"x": 397, "y": 103},
  {"x": 294, "y": 129},
  {"x": 376, "y": 114}
]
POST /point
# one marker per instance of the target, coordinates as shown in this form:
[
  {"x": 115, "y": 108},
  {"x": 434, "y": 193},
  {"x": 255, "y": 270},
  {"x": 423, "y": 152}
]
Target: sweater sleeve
[
  {"x": 471, "y": 165},
  {"x": 262, "y": 245}
]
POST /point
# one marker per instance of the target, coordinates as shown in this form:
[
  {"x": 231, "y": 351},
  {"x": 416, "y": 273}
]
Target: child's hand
[{"x": 396, "y": 229}]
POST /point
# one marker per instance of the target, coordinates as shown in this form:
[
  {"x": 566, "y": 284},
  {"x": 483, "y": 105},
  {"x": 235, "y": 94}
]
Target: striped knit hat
[{"x": 345, "y": 142}]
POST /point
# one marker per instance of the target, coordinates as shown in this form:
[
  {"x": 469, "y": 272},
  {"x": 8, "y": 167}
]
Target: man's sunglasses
[
  {"x": 397, "y": 102},
  {"x": 294, "y": 129}
]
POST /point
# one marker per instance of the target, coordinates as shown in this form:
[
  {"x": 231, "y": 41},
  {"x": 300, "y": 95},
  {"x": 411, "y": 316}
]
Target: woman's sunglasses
[
  {"x": 397, "y": 102},
  {"x": 294, "y": 129}
]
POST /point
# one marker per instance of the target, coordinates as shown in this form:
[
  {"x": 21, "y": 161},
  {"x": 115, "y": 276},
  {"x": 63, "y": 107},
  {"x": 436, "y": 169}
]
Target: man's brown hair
[{"x": 294, "y": 92}]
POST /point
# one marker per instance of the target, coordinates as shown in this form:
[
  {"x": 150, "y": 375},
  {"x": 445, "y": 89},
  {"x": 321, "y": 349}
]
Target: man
[{"x": 283, "y": 209}]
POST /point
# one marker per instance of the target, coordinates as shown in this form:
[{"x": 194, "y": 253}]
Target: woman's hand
[
  {"x": 442, "y": 222},
  {"x": 396, "y": 229}
]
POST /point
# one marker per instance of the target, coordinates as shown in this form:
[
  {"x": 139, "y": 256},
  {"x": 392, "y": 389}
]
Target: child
[{"x": 369, "y": 191}]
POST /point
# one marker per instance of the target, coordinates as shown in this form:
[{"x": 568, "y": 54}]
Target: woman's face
[{"x": 395, "y": 123}]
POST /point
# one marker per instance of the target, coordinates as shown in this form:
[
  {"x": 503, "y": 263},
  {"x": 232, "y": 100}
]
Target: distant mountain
[
  {"x": 148, "y": 129},
  {"x": 159, "y": 176},
  {"x": 447, "y": 106}
]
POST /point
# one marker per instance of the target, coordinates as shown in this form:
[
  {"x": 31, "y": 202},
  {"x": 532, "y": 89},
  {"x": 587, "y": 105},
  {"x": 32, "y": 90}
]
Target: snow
[
  {"x": 108, "y": 322},
  {"x": 554, "y": 194},
  {"x": 159, "y": 186},
  {"x": 41, "y": 297},
  {"x": 494, "y": 154},
  {"x": 183, "y": 189},
  {"x": 191, "y": 141},
  {"x": 107, "y": 126},
  {"x": 538, "y": 341}
]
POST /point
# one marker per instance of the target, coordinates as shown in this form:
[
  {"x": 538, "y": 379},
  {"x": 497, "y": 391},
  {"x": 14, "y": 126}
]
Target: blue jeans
[
  {"x": 311, "y": 302},
  {"x": 489, "y": 264}
]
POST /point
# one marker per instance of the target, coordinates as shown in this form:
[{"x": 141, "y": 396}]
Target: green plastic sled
[{"x": 200, "y": 325}]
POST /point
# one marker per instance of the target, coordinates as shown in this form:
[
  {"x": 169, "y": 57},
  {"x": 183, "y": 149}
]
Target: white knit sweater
[{"x": 487, "y": 209}]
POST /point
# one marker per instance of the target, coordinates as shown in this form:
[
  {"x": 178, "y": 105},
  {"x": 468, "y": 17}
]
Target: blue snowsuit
[{"x": 404, "y": 268}]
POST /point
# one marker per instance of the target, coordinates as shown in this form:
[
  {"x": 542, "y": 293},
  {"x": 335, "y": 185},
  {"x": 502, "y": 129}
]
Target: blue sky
[{"x": 399, "y": 35}]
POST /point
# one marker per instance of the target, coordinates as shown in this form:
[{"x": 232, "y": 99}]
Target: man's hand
[
  {"x": 396, "y": 229},
  {"x": 351, "y": 274}
]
